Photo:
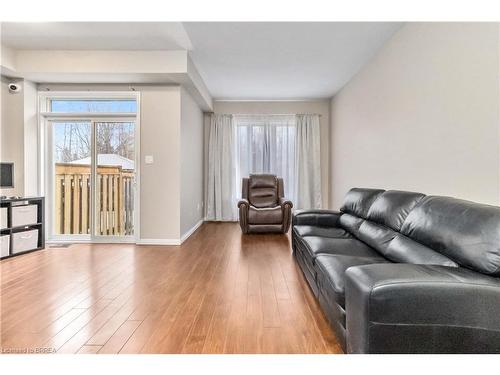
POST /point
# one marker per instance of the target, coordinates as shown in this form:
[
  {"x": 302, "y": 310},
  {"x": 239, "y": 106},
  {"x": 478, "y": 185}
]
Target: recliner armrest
[
  {"x": 407, "y": 308},
  {"x": 243, "y": 208},
  {"x": 286, "y": 208},
  {"x": 325, "y": 218},
  {"x": 285, "y": 202},
  {"x": 243, "y": 202}
]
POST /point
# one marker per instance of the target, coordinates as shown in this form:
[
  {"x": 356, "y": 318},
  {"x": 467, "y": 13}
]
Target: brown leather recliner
[{"x": 263, "y": 208}]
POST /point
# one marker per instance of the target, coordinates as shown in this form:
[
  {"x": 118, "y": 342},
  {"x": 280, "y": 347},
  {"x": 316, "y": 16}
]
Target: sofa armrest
[
  {"x": 407, "y": 308},
  {"x": 324, "y": 218}
]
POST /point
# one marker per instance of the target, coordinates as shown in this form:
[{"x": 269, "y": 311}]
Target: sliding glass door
[
  {"x": 115, "y": 178},
  {"x": 91, "y": 175},
  {"x": 93, "y": 178},
  {"x": 72, "y": 177}
]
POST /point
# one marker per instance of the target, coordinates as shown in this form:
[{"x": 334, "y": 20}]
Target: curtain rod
[{"x": 267, "y": 114}]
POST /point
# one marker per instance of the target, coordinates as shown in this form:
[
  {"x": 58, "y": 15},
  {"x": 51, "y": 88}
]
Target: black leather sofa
[{"x": 401, "y": 272}]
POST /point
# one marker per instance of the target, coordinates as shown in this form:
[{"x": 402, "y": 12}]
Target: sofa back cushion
[
  {"x": 357, "y": 201},
  {"x": 404, "y": 250},
  {"x": 398, "y": 248},
  {"x": 376, "y": 216},
  {"x": 263, "y": 190},
  {"x": 392, "y": 207},
  {"x": 351, "y": 223},
  {"x": 467, "y": 232}
]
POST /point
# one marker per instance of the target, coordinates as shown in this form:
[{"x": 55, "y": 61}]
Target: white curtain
[
  {"x": 285, "y": 145},
  {"x": 308, "y": 162},
  {"x": 266, "y": 144},
  {"x": 221, "y": 197}
]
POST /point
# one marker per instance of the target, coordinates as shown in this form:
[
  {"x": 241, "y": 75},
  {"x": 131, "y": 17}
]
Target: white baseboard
[
  {"x": 158, "y": 241},
  {"x": 167, "y": 241},
  {"x": 186, "y": 235},
  {"x": 141, "y": 241},
  {"x": 98, "y": 240}
]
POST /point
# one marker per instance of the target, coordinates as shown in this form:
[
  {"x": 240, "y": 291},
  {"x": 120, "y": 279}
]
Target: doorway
[{"x": 91, "y": 172}]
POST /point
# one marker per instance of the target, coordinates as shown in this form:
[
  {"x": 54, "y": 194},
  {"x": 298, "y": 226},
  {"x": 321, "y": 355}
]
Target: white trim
[
  {"x": 188, "y": 234},
  {"x": 91, "y": 240},
  {"x": 91, "y": 94},
  {"x": 137, "y": 167},
  {"x": 158, "y": 241},
  {"x": 316, "y": 99},
  {"x": 88, "y": 115}
]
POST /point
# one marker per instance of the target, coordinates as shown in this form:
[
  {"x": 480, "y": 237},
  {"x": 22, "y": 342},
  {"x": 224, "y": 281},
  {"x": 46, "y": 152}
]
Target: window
[
  {"x": 83, "y": 106},
  {"x": 266, "y": 144},
  {"x": 285, "y": 145}
]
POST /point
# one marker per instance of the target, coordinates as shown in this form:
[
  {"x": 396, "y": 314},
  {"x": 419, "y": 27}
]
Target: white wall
[
  {"x": 191, "y": 158},
  {"x": 12, "y": 135},
  {"x": 423, "y": 115},
  {"x": 321, "y": 107}
]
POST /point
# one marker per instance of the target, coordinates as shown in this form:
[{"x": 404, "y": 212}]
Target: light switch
[{"x": 148, "y": 159}]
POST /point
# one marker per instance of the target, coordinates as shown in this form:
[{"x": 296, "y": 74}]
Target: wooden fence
[{"x": 114, "y": 196}]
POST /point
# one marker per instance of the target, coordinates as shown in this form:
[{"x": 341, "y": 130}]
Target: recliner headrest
[{"x": 262, "y": 181}]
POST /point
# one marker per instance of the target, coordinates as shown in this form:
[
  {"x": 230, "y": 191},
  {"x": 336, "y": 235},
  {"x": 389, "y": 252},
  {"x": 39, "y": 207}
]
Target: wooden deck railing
[{"x": 114, "y": 196}]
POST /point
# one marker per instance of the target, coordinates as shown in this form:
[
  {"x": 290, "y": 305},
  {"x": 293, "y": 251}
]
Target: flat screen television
[{"x": 6, "y": 175}]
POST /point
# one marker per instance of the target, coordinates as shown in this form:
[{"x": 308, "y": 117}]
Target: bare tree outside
[{"x": 74, "y": 141}]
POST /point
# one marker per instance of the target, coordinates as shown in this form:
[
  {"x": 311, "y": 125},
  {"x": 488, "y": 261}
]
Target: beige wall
[
  {"x": 160, "y": 181},
  {"x": 19, "y": 136},
  {"x": 191, "y": 158},
  {"x": 321, "y": 107},
  {"x": 423, "y": 115},
  {"x": 30, "y": 94}
]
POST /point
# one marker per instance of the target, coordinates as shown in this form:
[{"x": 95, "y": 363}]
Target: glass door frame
[{"x": 46, "y": 162}]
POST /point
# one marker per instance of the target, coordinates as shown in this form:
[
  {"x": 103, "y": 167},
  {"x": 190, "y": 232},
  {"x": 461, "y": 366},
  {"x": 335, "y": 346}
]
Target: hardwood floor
[{"x": 220, "y": 292}]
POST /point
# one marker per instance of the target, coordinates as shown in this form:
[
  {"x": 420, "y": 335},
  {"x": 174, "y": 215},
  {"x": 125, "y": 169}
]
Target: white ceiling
[
  {"x": 237, "y": 60},
  {"x": 95, "y": 35},
  {"x": 274, "y": 60}
]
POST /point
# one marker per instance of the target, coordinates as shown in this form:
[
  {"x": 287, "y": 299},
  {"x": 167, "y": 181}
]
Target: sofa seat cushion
[
  {"x": 331, "y": 273},
  {"x": 311, "y": 230},
  {"x": 271, "y": 215},
  {"x": 340, "y": 246}
]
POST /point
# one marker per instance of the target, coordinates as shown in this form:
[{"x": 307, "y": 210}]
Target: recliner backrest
[
  {"x": 263, "y": 190},
  {"x": 467, "y": 232}
]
